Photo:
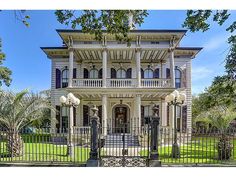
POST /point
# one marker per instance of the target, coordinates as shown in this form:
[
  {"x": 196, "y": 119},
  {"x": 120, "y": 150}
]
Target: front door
[{"x": 121, "y": 120}]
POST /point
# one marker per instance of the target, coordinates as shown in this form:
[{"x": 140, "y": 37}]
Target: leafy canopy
[
  {"x": 18, "y": 110},
  {"x": 94, "y": 21}
]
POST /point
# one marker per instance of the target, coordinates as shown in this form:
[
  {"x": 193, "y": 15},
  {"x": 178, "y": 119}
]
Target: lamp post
[
  {"x": 175, "y": 99},
  {"x": 70, "y": 101}
]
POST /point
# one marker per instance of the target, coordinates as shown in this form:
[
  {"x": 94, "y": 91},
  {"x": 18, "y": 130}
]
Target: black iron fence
[
  {"x": 47, "y": 145},
  {"x": 44, "y": 145}
]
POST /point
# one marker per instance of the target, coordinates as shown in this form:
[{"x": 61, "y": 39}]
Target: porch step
[{"x": 115, "y": 141}]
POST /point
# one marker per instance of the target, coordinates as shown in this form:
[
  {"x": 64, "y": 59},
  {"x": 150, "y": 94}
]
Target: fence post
[
  {"x": 93, "y": 160},
  {"x": 155, "y": 121}
]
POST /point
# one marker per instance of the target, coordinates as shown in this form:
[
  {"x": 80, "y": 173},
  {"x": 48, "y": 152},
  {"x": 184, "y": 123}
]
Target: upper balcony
[{"x": 121, "y": 83}]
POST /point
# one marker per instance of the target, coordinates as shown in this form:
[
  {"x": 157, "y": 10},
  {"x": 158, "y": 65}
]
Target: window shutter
[
  {"x": 184, "y": 78},
  {"x": 100, "y": 114},
  {"x": 142, "y": 116},
  {"x": 58, "y": 116},
  {"x": 129, "y": 73},
  {"x": 86, "y": 73},
  {"x": 74, "y": 116},
  {"x": 167, "y": 73},
  {"x": 74, "y": 73},
  {"x": 58, "y": 78},
  {"x": 184, "y": 118},
  {"x": 85, "y": 115},
  {"x": 142, "y": 73},
  {"x": 100, "y": 74},
  {"x": 113, "y": 73},
  {"x": 168, "y": 115},
  {"x": 156, "y": 73}
]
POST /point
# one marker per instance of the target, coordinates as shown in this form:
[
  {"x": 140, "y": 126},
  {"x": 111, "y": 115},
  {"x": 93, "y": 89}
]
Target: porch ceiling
[{"x": 114, "y": 54}]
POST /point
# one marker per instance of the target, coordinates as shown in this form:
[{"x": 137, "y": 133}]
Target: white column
[
  {"x": 172, "y": 68},
  {"x": 71, "y": 61},
  {"x": 138, "y": 112},
  {"x": 104, "y": 68},
  {"x": 104, "y": 114},
  {"x": 138, "y": 67}
]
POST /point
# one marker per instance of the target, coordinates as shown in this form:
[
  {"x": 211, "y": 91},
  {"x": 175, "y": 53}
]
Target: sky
[{"x": 32, "y": 69}]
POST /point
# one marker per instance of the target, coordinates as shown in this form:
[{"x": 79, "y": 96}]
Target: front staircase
[{"x": 116, "y": 141}]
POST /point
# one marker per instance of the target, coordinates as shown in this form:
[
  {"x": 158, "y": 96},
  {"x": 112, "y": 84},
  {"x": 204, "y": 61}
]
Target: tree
[
  {"x": 5, "y": 73},
  {"x": 221, "y": 117},
  {"x": 18, "y": 111},
  {"x": 115, "y": 22},
  {"x": 198, "y": 20}
]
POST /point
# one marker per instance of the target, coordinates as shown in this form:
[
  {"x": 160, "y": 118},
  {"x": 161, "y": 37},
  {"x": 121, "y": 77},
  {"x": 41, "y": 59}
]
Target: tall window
[
  {"x": 64, "y": 78},
  {"x": 93, "y": 74},
  {"x": 64, "y": 118},
  {"x": 177, "y": 78},
  {"x": 178, "y": 117},
  {"x": 121, "y": 74},
  {"x": 148, "y": 73}
]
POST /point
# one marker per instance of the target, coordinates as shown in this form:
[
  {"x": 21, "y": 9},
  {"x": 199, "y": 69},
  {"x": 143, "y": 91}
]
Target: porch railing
[
  {"x": 87, "y": 83},
  {"x": 122, "y": 83},
  {"x": 155, "y": 83}
]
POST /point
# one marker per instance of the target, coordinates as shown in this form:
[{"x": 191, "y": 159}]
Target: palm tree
[
  {"x": 18, "y": 110},
  {"x": 220, "y": 117}
]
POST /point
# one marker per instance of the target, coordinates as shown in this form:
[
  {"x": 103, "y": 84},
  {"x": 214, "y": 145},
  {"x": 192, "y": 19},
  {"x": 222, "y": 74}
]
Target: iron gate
[{"x": 119, "y": 147}]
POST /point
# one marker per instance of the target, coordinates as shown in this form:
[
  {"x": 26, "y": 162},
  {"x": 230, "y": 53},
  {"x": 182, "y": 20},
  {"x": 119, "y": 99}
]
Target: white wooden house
[{"x": 123, "y": 81}]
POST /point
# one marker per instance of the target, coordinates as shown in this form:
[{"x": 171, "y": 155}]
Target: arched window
[
  {"x": 93, "y": 74},
  {"x": 64, "y": 78},
  {"x": 121, "y": 74},
  {"x": 148, "y": 73},
  {"x": 177, "y": 78}
]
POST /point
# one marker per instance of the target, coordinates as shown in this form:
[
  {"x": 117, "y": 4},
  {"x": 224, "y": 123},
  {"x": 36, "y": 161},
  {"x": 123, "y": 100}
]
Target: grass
[
  {"x": 45, "y": 152},
  {"x": 200, "y": 150}
]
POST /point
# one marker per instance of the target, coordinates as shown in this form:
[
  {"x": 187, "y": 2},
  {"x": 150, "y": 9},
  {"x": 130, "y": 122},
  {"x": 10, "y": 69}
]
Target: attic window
[{"x": 155, "y": 42}]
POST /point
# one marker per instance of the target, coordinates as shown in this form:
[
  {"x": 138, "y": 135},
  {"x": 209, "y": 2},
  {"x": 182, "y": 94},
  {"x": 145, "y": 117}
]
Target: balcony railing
[
  {"x": 87, "y": 83},
  {"x": 122, "y": 83},
  {"x": 155, "y": 83}
]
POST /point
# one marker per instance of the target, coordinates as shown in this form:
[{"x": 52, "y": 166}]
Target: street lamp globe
[
  {"x": 182, "y": 97},
  {"x": 63, "y": 99}
]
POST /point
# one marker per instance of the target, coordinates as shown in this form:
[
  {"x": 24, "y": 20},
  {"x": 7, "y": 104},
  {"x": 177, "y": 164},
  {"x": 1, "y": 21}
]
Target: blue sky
[{"x": 31, "y": 68}]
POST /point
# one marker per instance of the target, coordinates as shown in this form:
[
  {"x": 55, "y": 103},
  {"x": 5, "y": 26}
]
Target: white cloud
[
  {"x": 200, "y": 72},
  {"x": 216, "y": 42}
]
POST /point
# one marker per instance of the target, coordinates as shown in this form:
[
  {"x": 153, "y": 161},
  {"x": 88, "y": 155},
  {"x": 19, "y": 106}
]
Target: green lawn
[
  {"x": 36, "y": 152},
  {"x": 201, "y": 150}
]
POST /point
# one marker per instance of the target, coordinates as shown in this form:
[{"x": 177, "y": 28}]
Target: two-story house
[{"x": 124, "y": 81}]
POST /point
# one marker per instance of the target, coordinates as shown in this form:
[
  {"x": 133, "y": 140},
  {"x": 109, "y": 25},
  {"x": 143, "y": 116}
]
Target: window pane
[
  {"x": 148, "y": 73},
  {"x": 93, "y": 74},
  {"x": 121, "y": 74}
]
